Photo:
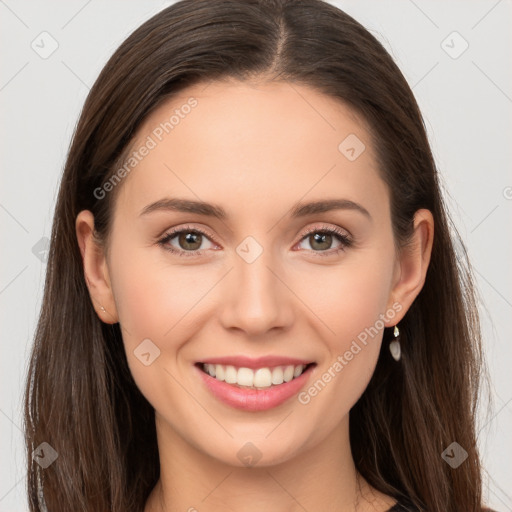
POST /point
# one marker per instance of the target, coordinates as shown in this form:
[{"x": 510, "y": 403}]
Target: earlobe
[
  {"x": 413, "y": 263},
  {"x": 95, "y": 268}
]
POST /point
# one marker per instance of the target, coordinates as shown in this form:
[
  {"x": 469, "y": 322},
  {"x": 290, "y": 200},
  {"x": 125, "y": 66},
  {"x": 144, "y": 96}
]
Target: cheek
[
  {"x": 162, "y": 302},
  {"x": 153, "y": 297},
  {"x": 351, "y": 303},
  {"x": 150, "y": 301},
  {"x": 349, "y": 298}
]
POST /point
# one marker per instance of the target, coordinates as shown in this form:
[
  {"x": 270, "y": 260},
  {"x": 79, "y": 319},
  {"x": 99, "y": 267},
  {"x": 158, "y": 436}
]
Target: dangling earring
[{"x": 394, "y": 346}]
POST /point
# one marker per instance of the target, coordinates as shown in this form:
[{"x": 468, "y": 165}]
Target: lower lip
[{"x": 254, "y": 399}]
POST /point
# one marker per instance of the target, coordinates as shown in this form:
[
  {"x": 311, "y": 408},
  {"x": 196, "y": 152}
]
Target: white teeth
[
  {"x": 298, "y": 370},
  {"x": 277, "y": 375},
  {"x": 259, "y": 378},
  {"x": 262, "y": 378},
  {"x": 219, "y": 372},
  {"x": 288, "y": 373},
  {"x": 245, "y": 377},
  {"x": 230, "y": 375}
]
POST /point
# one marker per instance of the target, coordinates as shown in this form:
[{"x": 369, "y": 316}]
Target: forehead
[{"x": 257, "y": 144}]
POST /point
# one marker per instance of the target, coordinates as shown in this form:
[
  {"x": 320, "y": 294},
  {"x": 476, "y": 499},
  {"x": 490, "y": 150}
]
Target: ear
[
  {"x": 412, "y": 264},
  {"x": 95, "y": 268}
]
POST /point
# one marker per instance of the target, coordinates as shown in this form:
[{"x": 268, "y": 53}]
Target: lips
[{"x": 254, "y": 400}]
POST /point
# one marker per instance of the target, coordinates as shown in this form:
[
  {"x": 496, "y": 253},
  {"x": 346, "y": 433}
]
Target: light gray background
[{"x": 466, "y": 102}]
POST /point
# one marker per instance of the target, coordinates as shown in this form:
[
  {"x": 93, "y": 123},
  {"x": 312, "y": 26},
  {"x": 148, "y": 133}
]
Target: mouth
[
  {"x": 256, "y": 388},
  {"x": 257, "y": 378}
]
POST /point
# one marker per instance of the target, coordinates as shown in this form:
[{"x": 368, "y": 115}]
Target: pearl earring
[
  {"x": 394, "y": 346},
  {"x": 103, "y": 309}
]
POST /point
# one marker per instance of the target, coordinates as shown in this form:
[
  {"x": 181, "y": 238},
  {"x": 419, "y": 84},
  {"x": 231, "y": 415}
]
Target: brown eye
[
  {"x": 320, "y": 241},
  {"x": 189, "y": 241}
]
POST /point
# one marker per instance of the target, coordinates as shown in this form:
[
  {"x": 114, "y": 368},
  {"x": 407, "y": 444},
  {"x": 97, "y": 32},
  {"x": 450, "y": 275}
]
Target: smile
[
  {"x": 254, "y": 378},
  {"x": 254, "y": 389}
]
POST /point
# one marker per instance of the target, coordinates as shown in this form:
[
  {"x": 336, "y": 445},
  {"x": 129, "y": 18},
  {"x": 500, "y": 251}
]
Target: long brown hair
[{"x": 80, "y": 396}]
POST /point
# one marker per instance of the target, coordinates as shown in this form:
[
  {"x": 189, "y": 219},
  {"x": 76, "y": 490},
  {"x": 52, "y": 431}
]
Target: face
[{"x": 268, "y": 279}]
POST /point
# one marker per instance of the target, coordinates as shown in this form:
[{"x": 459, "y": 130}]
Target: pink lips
[{"x": 254, "y": 399}]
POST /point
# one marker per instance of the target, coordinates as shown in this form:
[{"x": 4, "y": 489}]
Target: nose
[{"x": 256, "y": 298}]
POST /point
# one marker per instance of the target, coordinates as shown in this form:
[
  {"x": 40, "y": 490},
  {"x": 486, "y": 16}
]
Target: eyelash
[{"x": 345, "y": 240}]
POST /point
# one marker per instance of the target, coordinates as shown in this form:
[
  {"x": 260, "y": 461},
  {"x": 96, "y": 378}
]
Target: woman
[{"x": 246, "y": 307}]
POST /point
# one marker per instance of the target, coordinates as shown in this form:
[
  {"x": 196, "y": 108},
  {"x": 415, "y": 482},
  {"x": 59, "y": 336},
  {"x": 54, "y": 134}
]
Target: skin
[{"x": 255, "y": 149}]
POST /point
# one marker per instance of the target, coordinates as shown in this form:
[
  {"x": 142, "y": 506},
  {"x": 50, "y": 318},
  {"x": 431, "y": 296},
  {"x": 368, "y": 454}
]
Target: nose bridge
[{"x": 258, "y": 300}]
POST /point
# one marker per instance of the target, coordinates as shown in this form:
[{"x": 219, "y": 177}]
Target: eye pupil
[
  {"x": 187, "y": 240},
  {"x": 322, "y": 238}
]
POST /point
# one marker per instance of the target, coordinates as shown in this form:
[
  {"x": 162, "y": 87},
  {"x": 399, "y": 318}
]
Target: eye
[
  {"x": 321, "y": 239},
  {"x": 189, "y": 241}
]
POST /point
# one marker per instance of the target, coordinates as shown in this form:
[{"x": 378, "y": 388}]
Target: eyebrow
[{"x": 212, "y": 210}]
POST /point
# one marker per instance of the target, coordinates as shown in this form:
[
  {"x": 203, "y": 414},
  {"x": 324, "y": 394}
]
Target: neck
[{"x": 320, "y": 478}]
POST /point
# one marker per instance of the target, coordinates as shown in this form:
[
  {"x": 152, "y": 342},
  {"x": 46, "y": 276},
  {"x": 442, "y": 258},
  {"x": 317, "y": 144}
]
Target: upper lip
[{"x": 259, "y": 362}]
